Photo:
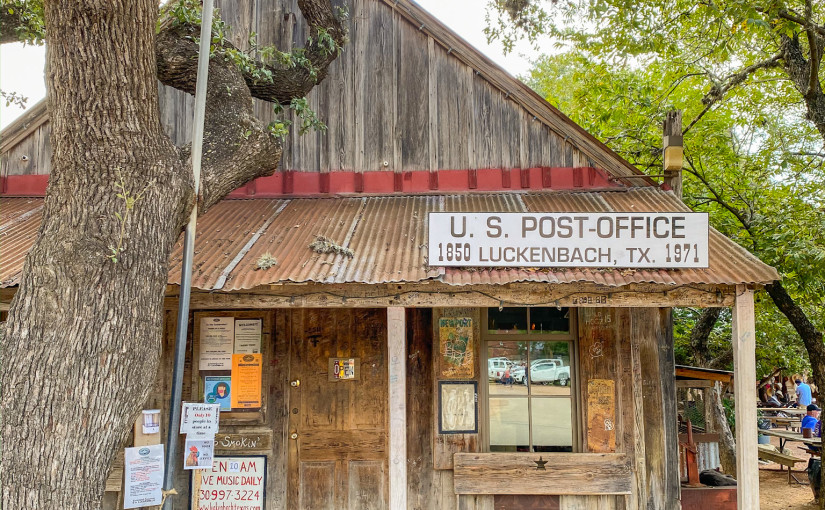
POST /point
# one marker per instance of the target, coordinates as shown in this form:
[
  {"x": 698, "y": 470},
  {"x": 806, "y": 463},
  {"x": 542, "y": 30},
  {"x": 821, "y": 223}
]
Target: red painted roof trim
[{"x": 292, "y": 183}]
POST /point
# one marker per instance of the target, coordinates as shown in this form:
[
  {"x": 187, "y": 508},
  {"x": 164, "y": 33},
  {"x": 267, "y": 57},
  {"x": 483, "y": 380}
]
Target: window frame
[{"x": 484, "y": 389}]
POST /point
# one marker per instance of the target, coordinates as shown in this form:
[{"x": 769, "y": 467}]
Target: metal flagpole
[{"x": 188, "y": 253}]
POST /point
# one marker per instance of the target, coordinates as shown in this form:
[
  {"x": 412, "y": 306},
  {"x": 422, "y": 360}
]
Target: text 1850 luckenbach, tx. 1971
[{"x": 627, "y": 240}]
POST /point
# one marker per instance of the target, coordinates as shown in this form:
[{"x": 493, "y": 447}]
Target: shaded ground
[{"x": 774, "y": 491}]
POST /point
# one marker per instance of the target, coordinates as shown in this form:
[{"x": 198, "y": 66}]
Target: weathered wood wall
[
  {"x": 631, "y": 347},
  {"x": 395, "y": 99}
]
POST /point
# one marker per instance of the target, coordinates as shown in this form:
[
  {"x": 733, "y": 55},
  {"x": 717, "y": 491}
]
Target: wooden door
[{"x": 338, "y": 430}]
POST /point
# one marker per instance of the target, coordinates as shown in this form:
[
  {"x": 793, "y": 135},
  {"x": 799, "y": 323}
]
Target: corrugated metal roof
[
  {"x": 19, "y": 222},
  {"x": 388, "y": 238}
]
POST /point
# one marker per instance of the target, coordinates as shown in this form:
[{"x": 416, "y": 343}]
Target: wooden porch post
[
  {"x": 744, "y": 389},
  {"x": 396, "y": 353}
]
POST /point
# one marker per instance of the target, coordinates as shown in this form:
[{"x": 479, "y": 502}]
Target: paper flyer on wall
[
  {"x": 247, "y": 336},
  {"x": 199, "y": 419},
  {"x": 143, "y": 476},
  {"x": 198, "y": 453},
  {"x": 246, "y": 381},
  {"x": 217, "y": 336}
]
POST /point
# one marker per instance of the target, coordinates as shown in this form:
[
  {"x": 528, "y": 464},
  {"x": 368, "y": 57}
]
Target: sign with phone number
[{"x": 233, "y": 483}]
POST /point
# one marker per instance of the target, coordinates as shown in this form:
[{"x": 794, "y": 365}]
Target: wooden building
[{"x": 383, "y": 373}]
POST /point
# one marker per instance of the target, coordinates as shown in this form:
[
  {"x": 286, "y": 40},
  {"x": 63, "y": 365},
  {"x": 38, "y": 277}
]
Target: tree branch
[
  {"x": 268, "y": 81},
  {"x": 799, "y": 70},
  {"x": 814, "y": 49},
  {"x": 718, "y": 91},
  {"x": 237, "y": 146}
]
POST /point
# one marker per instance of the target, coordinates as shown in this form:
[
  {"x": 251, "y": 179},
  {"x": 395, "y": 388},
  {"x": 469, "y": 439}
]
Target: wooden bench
[
  {"x": 785, "y": 421},
  {"x": 783, "y": 459}
]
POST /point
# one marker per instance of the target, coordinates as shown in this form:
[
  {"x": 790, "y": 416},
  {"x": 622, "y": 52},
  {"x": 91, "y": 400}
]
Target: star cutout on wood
[{"x": 540, "y": 464}]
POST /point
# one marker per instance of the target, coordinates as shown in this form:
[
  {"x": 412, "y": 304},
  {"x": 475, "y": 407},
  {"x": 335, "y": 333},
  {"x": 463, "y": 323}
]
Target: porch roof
[{"x": 388, "y": 238}]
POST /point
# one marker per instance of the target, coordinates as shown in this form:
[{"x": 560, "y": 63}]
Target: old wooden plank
[
  {"x": 703, "y": 375},
  {"x": 397, "y": 354},
  {"x": 581, "y": 295},
  {"x": 413, "y": 98},
  {"x": 649, "y": 328},
  {"x": 445, "y": 445},
  {"x": 598, "y": 372},
  {"x": 486, "y": 120},
  {"x": 247, "y": 441},
  {"x": 454, "y": 89},
  {"x": 278, "y": 405},
  {"x": 563, "y": 473},
  {"x": 421, "y": 487},
  {"x": 432, "y": 103},
  {"x": 744, "y": 363},
  {"x": 667, "y": 369},
  {"x": 589, "y": 503}
]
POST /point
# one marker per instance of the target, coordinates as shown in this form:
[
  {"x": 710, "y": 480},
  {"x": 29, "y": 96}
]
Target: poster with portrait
[
  {"x": 457, "y": 407},
  {"x": 217, "y": 390},
  {"x": 456, "y": 346}
]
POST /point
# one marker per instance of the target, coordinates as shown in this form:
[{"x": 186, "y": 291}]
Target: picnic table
[
  {"x": 791, "y": 411},
  {"x": 786, "y": 435},
  {"x": 786, "y": 421}
]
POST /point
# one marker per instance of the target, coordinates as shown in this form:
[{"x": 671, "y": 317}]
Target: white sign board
[
  {"x": 198, "y": 453},
  {"x": 603, "y": 240},
  {"x": 200, "y": 420},
  {"x": 217, "y": 335},
  {"x": 143, "y": 476},
  {"x": 233, "y": 483}
]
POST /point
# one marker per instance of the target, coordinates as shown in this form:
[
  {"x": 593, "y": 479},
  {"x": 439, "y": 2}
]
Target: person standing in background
[{"x": 803, "y": 393}]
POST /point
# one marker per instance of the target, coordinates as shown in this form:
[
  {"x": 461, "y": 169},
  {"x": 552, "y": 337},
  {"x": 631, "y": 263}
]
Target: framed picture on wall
[{"x": 457, "y": 407}]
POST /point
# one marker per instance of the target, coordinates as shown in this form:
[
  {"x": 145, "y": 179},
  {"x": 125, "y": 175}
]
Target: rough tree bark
[{"x": 83, "y": 331}]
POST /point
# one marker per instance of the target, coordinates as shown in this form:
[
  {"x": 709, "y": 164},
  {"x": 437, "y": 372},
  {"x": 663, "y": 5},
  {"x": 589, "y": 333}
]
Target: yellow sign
[{"x": 246, "y": 381}]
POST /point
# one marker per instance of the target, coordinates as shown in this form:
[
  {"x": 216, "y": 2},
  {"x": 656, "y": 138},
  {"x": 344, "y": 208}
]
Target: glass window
[
  {"x": 512, "y": 321},
  {"x": 530, "y": 404}
]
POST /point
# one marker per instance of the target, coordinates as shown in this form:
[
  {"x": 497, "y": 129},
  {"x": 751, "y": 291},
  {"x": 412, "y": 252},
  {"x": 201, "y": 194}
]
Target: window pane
[
  {"x": 509, "y": 425},
  {"x": 552, "y": 425},
  {"x": 506, "y": 363},
  {"x": 507, "y": 321},
  {"x": 549, "y": 320},
  {"x": 549, "y": 372}
]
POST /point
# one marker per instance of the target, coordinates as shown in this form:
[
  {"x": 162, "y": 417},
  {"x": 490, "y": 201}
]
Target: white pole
[
  {"x": 188, "y": 253},
  {"x": 397, "y": 353},
  {"x": 744, "y": 390}
]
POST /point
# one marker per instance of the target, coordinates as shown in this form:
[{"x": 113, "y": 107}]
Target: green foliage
[
  {"x": 754, "y": 162},
  {"x": 27, "y": 19},
  {"x": 129, "y": 200}
]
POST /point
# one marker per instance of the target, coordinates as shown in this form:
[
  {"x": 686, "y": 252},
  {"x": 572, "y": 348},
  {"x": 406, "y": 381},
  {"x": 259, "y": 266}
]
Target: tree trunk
[
  {"x": 82, "y": 339},
  {"x": 82, "y": 342},
  {"x": 719, "y": 425}
]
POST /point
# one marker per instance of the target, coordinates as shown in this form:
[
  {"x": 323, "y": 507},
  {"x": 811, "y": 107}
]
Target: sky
[{"x": 21, "y": 67}]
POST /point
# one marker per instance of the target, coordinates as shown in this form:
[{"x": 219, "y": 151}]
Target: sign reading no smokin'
[{"x": 626, "y": 240}]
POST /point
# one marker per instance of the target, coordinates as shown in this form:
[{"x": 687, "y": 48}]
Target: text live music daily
[{"x": 569, "y": 240}]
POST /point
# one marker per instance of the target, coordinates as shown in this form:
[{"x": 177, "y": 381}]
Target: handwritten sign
[
  {"x": 246, "y": 381},
  {"x": 216, "y": 338},
  {"x": 601, "y": 415},
  {"x": 247, "y": 442},
  {"x": 233, "y": 483},
  {"x": 200, "y": 420},
  {"x": 661, "y": 240}
]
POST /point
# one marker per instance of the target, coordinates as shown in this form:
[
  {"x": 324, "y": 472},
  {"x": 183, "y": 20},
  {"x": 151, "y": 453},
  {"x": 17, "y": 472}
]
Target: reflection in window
[
  {"x": 512, "y": 321},
  {"x": 552, "y": 425},
  {"x": 529, "y": 383}
]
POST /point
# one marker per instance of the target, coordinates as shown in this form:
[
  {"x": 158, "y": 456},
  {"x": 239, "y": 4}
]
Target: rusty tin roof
[{"x": 388, "y": 239}]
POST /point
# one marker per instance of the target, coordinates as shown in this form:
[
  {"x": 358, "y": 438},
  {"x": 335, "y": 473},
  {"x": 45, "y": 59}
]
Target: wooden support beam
[
  {"x": 537, "y": 473},
  {"x": 744, "y": 389},
  {"x": 396, "y": 352}
]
